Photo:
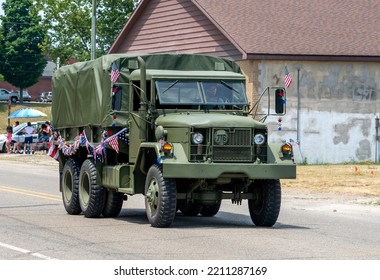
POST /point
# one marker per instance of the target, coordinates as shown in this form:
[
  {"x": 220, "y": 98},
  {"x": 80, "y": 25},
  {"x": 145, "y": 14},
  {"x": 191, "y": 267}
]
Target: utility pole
[
  {"x": 93, "y": 31},
  {"x": 377, "y": 138},
  {"x": 298, "y": 106}
]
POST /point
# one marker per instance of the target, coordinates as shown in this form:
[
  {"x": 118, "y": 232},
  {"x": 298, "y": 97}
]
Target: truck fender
[{"x": 148, "y": 154}]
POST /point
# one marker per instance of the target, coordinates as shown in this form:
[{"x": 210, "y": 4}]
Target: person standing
[
  {"x": 29, "y": 130},
  {"x": 8, "y": 140},
  {"x": 16, "y": 145}
]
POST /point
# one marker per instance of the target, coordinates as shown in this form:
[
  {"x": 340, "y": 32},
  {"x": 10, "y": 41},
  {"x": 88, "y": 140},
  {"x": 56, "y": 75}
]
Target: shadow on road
[{"x": 221, "y": 220}]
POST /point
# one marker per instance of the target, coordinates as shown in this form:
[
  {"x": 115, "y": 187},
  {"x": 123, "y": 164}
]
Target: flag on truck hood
[{"x": 115, "y": 73}]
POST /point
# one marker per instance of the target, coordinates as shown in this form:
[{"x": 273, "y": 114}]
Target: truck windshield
[{"x": 223, "y": 92}]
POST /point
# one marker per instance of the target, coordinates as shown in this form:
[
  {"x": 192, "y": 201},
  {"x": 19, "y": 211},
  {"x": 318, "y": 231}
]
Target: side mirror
[{"x": 280, "y": 100}]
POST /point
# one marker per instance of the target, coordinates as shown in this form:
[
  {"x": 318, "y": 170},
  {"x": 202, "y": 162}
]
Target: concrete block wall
[{"x": 339, "y": 102}]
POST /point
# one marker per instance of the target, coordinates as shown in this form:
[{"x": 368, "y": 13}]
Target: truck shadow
[{"x": 220, "y": 220}]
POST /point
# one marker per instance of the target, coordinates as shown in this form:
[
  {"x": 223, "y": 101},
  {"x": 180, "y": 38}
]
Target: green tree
[
  {"x": 69, "y": 25},
  {"x": 21, "y": 44}
]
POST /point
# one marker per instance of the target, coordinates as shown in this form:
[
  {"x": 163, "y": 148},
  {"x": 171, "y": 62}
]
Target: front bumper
[{"x": 235, "y": 170}]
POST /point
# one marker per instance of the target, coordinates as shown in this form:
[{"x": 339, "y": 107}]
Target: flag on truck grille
[
  {"x": 114, "y": 143},
  {"x": 114, "y": 73},
  {"x": 288, "y": 78}
]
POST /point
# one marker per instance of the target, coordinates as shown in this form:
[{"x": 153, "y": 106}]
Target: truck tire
[
  {"x": 113, "y": 204},
  {"x": 210, "y": 210},
  {"x": 91, "y": 196},
  {"x": 265, "y": 207},
  {"x": 14, "y": 99},
  {"x": 189, "y": 209},
  {"x": 70, "y": 192},
  {"x": 160, "y": 198}
]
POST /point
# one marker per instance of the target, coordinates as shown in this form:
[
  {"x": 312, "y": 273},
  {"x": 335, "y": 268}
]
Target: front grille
[
  {"x": 231, "y": 154},
  {"x": 232, "y": 145},
  {"x": 224, "y": 145}
]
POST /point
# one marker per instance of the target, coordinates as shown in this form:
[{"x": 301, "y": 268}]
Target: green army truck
[{"x": 176, "y": 128}]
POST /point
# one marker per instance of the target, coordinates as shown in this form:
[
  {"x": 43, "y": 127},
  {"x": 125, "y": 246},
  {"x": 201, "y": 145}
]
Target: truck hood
[{"x": 206, "y": 120}]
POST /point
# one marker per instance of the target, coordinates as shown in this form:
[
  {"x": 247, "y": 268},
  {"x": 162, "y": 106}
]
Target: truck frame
[{"x": 143, "y": 124}]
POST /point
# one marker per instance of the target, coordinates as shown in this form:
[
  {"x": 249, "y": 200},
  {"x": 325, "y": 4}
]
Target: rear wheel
[
  {"x": 211, "y": 210},
  {"x": 189, "y": 208},
  {"x": 91, "y": 195},
  {"x": 264, "y": 208},
  {"x": 160, "y": 198},
  {"x": 113, "y": 204},
  {"x": 70, "y": 179}
]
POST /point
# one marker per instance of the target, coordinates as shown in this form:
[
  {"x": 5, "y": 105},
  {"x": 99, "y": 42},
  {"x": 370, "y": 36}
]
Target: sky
[{"x": 1, "y": 6}]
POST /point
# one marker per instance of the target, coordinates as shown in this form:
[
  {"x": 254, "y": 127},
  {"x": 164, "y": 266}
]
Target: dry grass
[
  {"x": 43, "y": 107},
  {"x": 347, "y": 179}
]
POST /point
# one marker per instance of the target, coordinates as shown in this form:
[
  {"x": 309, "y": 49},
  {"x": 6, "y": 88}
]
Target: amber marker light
[
  {"x": 167, "y": 147},
  {"x": 286, "y": 149}
]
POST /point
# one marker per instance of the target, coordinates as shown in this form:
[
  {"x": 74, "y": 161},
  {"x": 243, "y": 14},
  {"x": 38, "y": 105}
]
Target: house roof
[
  {"x": 308, "y": 28},
  {"x": 291, "y": 27}
]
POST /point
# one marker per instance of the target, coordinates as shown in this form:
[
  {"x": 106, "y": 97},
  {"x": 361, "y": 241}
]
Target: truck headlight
[
  {"x": 259, "y": 139},
  {"x": 197, "y": 138}
]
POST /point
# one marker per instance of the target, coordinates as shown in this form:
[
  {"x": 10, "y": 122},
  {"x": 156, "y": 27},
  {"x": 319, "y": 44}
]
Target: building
[
  {"x": 331, "y": 48},
  {"x": 43, "y": 84}
]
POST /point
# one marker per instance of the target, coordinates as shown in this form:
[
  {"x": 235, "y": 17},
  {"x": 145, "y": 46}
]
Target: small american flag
[
  {"x": 53, "y": 151},
  {"x": 288, "y": 78},
  {"x": 83, "y": 139},
  {"x": 115, "y": 73},
  {"x": 114, "y": 143},
  {"x": 99, "y": 148},
  {"x": 124, "y": 136}
]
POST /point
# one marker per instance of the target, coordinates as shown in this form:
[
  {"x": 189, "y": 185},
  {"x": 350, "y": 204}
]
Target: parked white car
[
  {"x": 18, "y": 135},
  {"x": 25, "y": 95}
]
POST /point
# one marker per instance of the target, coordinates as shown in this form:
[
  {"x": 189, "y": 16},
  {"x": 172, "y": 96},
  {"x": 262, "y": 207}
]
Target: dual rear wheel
[{"x": 81, "y": 193}]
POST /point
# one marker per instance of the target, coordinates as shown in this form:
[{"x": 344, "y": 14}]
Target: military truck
[{"x": 144, "y": 124}]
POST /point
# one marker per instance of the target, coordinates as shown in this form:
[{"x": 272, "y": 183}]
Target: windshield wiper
[
  {"x": 172, "y": 85},
  {"x": 228, "y": 86}
]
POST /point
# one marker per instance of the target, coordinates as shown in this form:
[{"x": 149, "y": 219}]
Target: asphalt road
[{"x": 34, "y": 225}]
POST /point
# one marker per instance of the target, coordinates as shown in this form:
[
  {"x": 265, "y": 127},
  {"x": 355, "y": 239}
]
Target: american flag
[
  {"x": 287, "y": 78},
  {"x": 114, "y": 143},
  {"x": 115, "y": 73},
  {"x": 83, "y": 139},
  {"x": 100, "y": 148},
  {"x": 124, "y": 136},
  {"x": 53, "y": 151}
]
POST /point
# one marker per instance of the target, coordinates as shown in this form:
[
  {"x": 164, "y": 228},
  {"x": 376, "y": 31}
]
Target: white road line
[{"x": 26, "y": 252}]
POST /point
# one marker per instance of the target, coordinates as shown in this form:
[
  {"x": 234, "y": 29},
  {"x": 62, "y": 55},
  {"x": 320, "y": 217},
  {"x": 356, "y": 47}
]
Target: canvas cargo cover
[{"x": 83, "y": 91}]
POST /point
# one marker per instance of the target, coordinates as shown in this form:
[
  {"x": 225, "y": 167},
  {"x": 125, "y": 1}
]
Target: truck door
[{"x": 139, "y": 122}]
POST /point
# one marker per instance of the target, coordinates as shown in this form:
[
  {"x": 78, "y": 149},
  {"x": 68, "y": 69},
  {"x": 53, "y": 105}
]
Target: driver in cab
[{"x": 212, "y": 96}]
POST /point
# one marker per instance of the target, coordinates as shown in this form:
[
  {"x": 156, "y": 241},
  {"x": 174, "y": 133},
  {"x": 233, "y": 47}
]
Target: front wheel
[
  {"x": 264, "y": 208},
  {"x": 160, "y": 198},
  {"x": 91, "y": 196}
]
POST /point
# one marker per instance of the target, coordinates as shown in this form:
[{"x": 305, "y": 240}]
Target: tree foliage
[
  {"x": 21, "y": 44},
  {"x": 69, "y": 25}
]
